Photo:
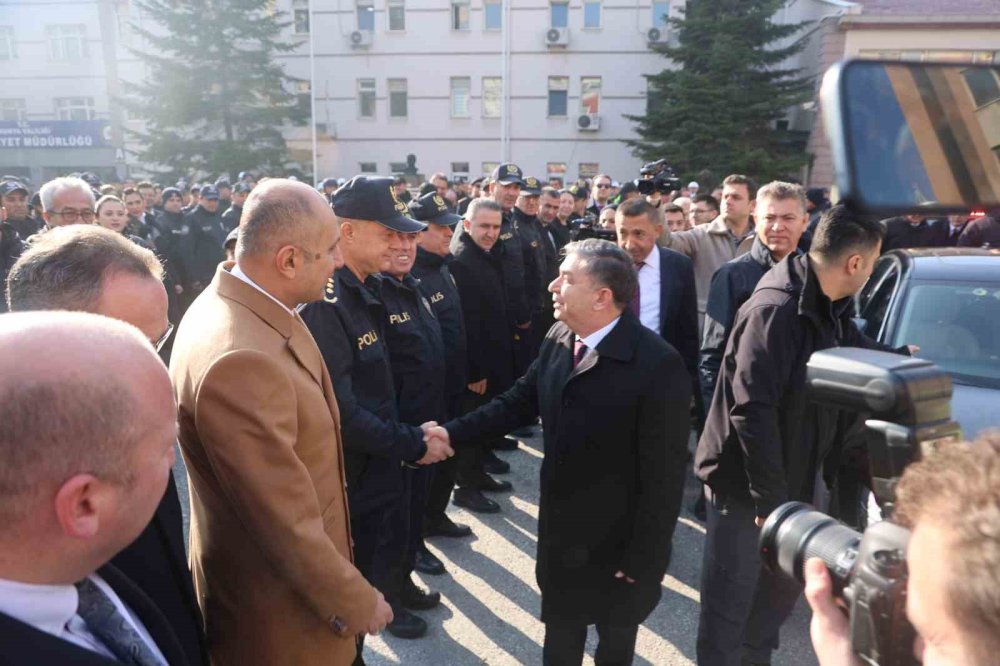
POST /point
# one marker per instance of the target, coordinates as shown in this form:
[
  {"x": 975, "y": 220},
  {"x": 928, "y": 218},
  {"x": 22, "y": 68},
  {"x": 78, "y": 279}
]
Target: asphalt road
[{"x": 490, "y": 602}]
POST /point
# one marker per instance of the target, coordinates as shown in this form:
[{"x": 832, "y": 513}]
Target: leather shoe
[
  {"x": 406, "y": 625},
  {"x": 507, "y": 443},
  {"x": 446, "y": 527},
  {"x": 493, "y": 465},
  {"x": 473, "y": 500},
  {"x": 488, "y": 484},
  {"x": 426, "y": 563},
  {"x": 417, "y": 598}
]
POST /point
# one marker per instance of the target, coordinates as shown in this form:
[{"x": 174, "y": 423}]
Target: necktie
[
  {"x": 634, "y": 305},
  {"x": 579, "y": 351},
  {"x": 114, "y": 630}
]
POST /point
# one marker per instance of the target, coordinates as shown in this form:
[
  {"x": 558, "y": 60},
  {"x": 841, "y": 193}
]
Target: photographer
[{"x": 950, "y": 501}]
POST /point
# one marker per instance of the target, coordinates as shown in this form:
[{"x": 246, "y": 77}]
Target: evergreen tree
[
  {"x": 714, "y": 114},
  {"x": 215, "y": 100}
]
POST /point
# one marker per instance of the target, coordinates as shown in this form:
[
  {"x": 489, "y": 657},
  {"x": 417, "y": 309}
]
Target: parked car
[{"x": 947, "y": 302}]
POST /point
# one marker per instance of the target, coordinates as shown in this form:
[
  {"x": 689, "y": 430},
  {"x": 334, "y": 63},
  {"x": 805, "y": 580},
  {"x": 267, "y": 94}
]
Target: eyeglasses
[
  {"x": 72, "y": 216},
  {"x": 162, "y": 340},
  {"x": 603, "y": 186}
]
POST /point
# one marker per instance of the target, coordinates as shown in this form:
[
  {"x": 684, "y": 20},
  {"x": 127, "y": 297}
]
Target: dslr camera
[
  {"x": 657, "y": 176},
  {"x": 587, "y": 227},
  {"x": 909, "y": 404}
]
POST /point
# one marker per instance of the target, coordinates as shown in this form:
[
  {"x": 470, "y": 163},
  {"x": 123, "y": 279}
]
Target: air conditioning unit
[
  {"x": 657, "y": 36},
  {"x": 360, "y": 39},
  {"x": 588, "y": 122},
  {"x": 557, "y": 37}
]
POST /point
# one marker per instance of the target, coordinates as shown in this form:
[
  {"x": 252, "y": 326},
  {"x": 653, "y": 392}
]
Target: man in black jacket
[
  {"x": 946, "y": 232},
  {"x": 765, "y": 442},
  {"x": 781, "y": 220},
  {"x": 614, "y": 398},
  {"x": 530, "y": 232},
  {"x": 984, "y": 232},
  {"x": 207, "y": 238},
  {"x": 14, "y": 199},
  {"x": 906, "y": 231},
  {"x": 231, "y": 216}
]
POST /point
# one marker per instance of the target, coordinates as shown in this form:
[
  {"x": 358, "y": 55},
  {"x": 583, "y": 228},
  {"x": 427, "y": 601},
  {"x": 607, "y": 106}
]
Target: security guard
[
  {"x": 531, "y": 234},
  {"x": 416, "y": 354},
  {"x": 349, "y": 327}
]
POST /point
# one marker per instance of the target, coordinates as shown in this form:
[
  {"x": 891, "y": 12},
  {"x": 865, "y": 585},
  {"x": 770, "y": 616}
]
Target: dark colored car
[{"x": 947, "y": 302}]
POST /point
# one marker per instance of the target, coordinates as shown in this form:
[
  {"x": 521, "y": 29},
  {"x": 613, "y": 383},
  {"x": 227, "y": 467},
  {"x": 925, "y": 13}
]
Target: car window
[
  {"x": 881, "y": 267},
  {"x": 875, "y": 309}
]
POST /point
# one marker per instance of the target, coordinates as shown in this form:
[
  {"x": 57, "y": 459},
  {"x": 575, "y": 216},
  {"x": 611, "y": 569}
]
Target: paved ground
[{"x": 490, "y": 602}]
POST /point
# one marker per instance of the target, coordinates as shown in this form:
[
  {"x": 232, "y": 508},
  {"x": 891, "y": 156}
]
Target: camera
[
  {"x": 657, "y": 176},
  {"x": 909, "y": 401},
  {"x": 587, "y": 227}
]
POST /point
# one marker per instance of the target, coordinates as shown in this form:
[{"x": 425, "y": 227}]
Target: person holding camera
[{"x": 950, "y": 501}]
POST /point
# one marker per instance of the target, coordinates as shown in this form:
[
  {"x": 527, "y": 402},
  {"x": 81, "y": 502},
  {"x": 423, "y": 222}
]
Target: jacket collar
[
  {"x": 760, "y": 254},
  {"x": 233, "y": 288},
  {"x": 619, "y": 344},
  {"x": 368, "y": 290},
  {"x": 718, "y": 226},
  {"x": 429, "y": 259}
]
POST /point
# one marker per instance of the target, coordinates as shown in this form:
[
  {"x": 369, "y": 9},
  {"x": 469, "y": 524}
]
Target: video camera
[
  {"x": 657, "y": 176},
  {"x": 909, "y": 400},
  {"x": 587, "y": 227}
]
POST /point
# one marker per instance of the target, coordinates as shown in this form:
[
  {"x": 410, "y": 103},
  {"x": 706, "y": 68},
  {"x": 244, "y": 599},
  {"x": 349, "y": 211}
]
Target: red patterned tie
[
  {"x": 635, "y": 304},
  {"x": 579, "y": 351}
]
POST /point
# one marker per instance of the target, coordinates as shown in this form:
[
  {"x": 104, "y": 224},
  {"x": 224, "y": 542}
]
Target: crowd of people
[{"x": 348, "y": 360}]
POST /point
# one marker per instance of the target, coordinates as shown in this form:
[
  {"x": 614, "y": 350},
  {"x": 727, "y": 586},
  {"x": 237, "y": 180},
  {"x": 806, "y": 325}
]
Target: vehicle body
[{"x": 947, "y": 302}]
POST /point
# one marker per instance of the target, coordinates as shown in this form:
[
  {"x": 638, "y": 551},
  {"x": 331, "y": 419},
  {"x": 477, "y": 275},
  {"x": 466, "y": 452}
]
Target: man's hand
[
  {"x": 621, "y": 574},
  {"x": 758, "y": 521},
  {"x": 438, "y": 447},
  {"x": 381, "y": 617},
  {"x": 830, "y": 636},
  {"x": 914, "y": 349},
  {"x": 479, "y": 388}
]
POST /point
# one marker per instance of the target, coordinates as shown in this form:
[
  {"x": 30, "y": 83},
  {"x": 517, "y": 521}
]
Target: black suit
[
  {"x": 157, "y": 564},
  {"x": 942, "y": 234},
  {"x": 23, "y": 645},
  {"x": 615, "y": 440},
  {"x": 679, "y": 307}
]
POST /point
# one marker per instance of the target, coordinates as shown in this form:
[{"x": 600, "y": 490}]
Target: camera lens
[{"x": 795, "y": 532}]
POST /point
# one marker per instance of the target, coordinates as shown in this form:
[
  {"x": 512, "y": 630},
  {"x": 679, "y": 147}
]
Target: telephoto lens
[{"x": 796, "y": 532}]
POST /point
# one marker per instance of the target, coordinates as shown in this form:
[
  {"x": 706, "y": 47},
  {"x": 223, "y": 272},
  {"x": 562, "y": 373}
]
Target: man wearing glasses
[
  {"x": 91, "y": 269},
  {"x": 67, "y": 201},
  {"x": 602, "y": 193}
]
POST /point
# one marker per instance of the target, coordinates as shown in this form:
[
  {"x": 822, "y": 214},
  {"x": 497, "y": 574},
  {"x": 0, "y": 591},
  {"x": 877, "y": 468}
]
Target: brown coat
[{"x": 260, "y": 434}]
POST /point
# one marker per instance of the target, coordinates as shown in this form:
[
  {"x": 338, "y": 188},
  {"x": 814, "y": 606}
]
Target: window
[
  {"x": 555, "y": 170},
  {"x": 591, "y": 14},
  {"x": 559, "y": 14},
  {"x": 8, "y": 47},
  {"x": 366, "y": 98},
  {"x": 75, "y": 108},
  {"x": 589, "y": 169},
  {"x": 558, "y": 96},
  {"x": 983, "y": 85},
  {"x": 300, "y": 12},
  {"x": 590, "y": 94},
  {"x": 368, "y": 167},
  {"x": 492, "y": 14},
  {"x": 492, "y": 96},
  {"x": 488, "y": 167},
  {"x": 459, "y": 14},
  {"x": 654, "y": 97},
  {"x": 12, "y": 109},
  {"x": 460, "y": 168},
  {"x": 875, "y": 310},
  {"x": 397, "y": 14},
  {"x": 366, "y": 15},
  {"x": 303, "y": 91},
  {"x": 397, "y": 98},
  {"x": 460, "y": 88},
  {"x": 66, "y": 42},
  {"x": 660, "y": 11}
]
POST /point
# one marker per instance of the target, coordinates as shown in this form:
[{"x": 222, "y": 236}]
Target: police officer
[
  {"x": 14, "y": 199},
  {"x": 416, "y": 354},
  {"x": 533, "y": 239},
  {"x": 207, "y": 237},
  {"x": 349, "y": 327},
  {"x": 231, "y": 216},
  {"x": 174, "y": 247},
  {"x": 225, "y": 193}
]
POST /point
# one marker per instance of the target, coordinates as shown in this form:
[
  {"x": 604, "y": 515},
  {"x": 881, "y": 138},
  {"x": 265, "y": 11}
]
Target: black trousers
[
  {"x": 442, "y": 474},
  {"x": 564, "y": 644},
  {"x": 366, "y": 531},
  {"x": 743, "y": 604}
]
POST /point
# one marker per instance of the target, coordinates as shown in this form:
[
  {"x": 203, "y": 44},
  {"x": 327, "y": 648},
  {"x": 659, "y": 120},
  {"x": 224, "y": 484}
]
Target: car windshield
[{"x": 956, "y": 325}]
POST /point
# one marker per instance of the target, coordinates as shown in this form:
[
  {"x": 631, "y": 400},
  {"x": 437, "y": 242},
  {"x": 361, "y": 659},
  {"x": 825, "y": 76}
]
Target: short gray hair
[
  {"x": 65, "y": 268},
  {"x": 58, "y": 185},
  {"x": 482, "y": 203},
  {"x": 609, "y": 266},
  {"x": 778, "y": 190}
]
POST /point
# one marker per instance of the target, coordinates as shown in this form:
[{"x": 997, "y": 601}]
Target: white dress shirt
[
  {"x": 649, "y": 291},
  {"x": 594, "y": 339},
  {"x": 52, "y": 609},
  {"x": 237, "y": 272}
]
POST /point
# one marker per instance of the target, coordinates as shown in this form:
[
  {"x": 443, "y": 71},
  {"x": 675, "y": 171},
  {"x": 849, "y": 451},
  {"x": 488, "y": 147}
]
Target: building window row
[
  {"x": 66, "y": 108},
  {"x": 463, "y": 169},
  {"x": 64, "y": 41}
]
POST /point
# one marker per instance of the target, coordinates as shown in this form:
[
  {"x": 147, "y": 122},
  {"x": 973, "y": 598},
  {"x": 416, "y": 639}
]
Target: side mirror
[{"x": 914, "y": 136}]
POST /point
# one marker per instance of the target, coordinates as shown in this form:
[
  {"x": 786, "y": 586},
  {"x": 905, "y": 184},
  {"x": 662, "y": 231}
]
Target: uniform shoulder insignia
[{"x": 330, "y": 293}]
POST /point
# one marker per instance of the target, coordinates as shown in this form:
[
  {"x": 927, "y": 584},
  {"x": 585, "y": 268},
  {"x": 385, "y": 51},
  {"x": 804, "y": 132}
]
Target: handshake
[{"x": 438, "y": 446}]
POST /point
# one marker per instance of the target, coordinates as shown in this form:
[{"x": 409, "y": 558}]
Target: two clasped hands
[{"x": 438, "y": 445}]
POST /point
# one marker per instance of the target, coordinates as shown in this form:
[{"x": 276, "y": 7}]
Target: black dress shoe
[
  {"x": 445, "y": 527},
  {"x": 488, "y": 484},
  {"x": 473, "y": 500},
  {"x": 406, "y": 625},
  {"x": 493, "y": 465},
  {"x": 427, "y": 563},
  {"x": 521, "y": 433},
  {"x": 417, "y": 598}
]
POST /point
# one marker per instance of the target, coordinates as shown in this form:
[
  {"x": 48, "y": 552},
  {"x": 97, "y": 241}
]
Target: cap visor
[
  {"x": 446, "y": 220},
  {"x": 510, "y": 180},
  {"x": 402, "y": 224}
]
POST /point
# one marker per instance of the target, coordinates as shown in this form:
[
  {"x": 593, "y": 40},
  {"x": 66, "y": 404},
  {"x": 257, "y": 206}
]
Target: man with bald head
[
  {"x": 87, "y": 443},
  {"x": 260, "y": 434}
]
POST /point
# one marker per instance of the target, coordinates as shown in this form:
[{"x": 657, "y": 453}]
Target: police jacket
[
  {"x": 231, "y": 218},
  {"x": 438, "y": 287},
  {"x": 11, "y": 247},
  {"x": 207, "y": 237},
  {"x": 479, "y": 277},
  {"x": 530, "y": 231},
  {"x": 348, "y": 326},
  {"x": 731, "y": 286},
  {"x": 514, "y": 266},
  {"x": 174, "y": 247},
  {"x": 764, "y": 440},
  {"x": 416, "y": 351},
  {"x": 25, "y": 227}
]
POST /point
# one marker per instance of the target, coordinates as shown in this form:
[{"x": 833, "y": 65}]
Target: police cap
[
  {"x": 364, "y": 198},
  {"x": 531, "y": 187},
  {"x": 433, "y": 209},
  {"x": 507, "y": 174},
  {"x": 209, "y": 192},
  {"x": 11, "y": 186}
]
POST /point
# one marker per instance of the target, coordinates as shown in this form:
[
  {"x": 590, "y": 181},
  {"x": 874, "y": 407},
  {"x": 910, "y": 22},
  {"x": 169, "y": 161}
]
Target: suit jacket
[
  {"x": 679, "y": 306},
  {"x": 23, "y": 645},
  {"x": 157, "y": 564},
  {"x": 940, "y": 234},
  {"x": 260, "y": 434},
  {"x": 613, "y": 471}
]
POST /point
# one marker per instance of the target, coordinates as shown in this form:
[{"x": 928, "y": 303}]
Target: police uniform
[
  {"x": 534, "y": 240},
  {"x": 207, "y": 237}
]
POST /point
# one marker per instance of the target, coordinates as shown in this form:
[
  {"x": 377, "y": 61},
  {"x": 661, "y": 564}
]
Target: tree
[
  {"x": 215, "y": 100},
  {"x": 715, "y": 113}
]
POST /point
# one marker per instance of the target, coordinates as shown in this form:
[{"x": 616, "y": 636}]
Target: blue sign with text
[{"x": 54, "y": 134}]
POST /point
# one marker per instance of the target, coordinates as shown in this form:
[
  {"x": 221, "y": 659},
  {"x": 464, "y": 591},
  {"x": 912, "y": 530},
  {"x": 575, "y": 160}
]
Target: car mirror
[{"x": 914, "y": 136}]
